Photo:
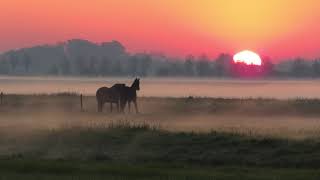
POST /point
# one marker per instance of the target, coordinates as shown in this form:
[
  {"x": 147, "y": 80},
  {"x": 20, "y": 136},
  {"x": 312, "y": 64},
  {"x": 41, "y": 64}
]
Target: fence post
[
  {"x": 1, "y": 98},
  {"x": 81, "y": 102}
]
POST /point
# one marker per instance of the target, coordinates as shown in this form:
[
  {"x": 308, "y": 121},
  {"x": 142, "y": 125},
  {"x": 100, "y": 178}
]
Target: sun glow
[{"x": 247, "y": 57}]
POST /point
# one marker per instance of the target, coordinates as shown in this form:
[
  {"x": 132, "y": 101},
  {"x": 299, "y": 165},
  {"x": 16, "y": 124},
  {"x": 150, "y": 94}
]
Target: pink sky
[{"x": 275, "y": 28}]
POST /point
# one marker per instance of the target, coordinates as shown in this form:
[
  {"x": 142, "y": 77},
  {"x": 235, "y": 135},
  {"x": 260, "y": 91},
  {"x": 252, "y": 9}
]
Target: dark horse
[
  {"x": 129, "y": 94},
  {"x": 111, "y": 95},
  {"x": 120, "y": 94}
]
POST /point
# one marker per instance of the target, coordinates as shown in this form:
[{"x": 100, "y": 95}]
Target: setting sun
[{"x": 247, "y": 57}]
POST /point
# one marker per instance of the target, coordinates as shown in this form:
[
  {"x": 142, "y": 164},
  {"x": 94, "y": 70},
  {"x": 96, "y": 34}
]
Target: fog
[
  {"x": 170, "y": 87},
  {"x": 26, "y": 115},
  {"x": 56, "y": 112},
  {"x": 276, "y": 126}
]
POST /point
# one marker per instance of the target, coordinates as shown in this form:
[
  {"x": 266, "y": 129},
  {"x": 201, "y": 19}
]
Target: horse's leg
[
  {"x": 99, "y": 106},
  {"x": 129, "y": 106},
  {"x": 123, "y": 106},
  {"x": 124, "y": 103},
  {"x": 118, "y": 109},
  {"x": 111, "y": 107},
  {"x": 136, "y": 106}
]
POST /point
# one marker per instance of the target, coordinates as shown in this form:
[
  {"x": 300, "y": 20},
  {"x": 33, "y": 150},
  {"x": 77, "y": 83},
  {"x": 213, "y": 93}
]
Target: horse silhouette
[
  {"x": 111, "y": 95},
  {"x": 129, "y": 94},
  {"x": 120, "y": 94}
]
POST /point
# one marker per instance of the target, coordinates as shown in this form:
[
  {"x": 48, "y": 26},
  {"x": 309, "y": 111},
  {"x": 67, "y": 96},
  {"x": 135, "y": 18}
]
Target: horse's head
[{"x": 136, "y": 84}]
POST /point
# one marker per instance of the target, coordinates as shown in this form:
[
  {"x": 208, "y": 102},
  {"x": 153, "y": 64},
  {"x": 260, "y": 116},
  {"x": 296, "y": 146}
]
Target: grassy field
[
  {"x": 47, "y": 137},
  {"x": 138, "y": 152},
  {"x": 44, "y": 169},
  {"x": 289, "y": 119}
]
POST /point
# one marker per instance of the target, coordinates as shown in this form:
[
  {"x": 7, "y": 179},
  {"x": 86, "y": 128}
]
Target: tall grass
[{"x": 139, "y": 143}]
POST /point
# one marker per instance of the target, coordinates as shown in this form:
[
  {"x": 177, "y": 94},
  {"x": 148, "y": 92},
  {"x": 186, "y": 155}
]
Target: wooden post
[
  {"x": 81, "y": 102},
  {"x": 1, "y": 98}
]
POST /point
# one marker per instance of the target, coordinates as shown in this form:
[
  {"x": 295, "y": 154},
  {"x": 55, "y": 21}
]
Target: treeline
[{"x": 83, "y": 58}]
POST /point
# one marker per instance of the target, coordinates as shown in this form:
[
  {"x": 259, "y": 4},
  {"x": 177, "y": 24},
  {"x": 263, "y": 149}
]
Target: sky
[{"x": 280, "y": 29}]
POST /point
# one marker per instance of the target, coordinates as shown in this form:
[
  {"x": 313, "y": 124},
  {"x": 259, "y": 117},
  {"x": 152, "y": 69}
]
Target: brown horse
[
  {"x": 111, "y": 95},
  {"x": 129, "y": 94}
]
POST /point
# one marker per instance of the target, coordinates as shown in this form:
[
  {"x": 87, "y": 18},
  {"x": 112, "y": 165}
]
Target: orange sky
[{"x": 276, "y": 28}]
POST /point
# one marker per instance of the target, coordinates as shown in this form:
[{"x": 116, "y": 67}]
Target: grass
[
  {"x": 143, "y": 152},
  {"x": 142, "y": 144},
  {"x": 26, "y": 169},
  {"x": 251, "y": 106},
  {"x": 47, "y": 137}
]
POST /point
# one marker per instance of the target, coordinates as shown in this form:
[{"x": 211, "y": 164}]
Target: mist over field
[{"x": 168, "y": 87}]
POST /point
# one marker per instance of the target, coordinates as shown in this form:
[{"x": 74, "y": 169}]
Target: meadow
[{"x": 47, "y": 136}]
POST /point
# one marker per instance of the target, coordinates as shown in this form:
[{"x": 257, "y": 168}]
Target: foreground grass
[
  {"x": 44, "y": 169},
  {"x": 142, "y": 144},
  {"x": 123, "y": 151}
]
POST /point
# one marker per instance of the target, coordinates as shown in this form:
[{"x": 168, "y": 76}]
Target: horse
[
  {"x": 111, "y": 95},
  {"x": 130, "y": 94}
]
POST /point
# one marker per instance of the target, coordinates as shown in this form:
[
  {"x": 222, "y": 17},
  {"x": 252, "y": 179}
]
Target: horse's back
[
  {"x": 119, "y": 88},
  {"x": 101, "y": 91},
  {"x": 106, "y": 94}
]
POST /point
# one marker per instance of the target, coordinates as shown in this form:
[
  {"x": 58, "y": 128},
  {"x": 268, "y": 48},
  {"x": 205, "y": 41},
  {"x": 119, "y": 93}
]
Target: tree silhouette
[
  {"x": 81, "y": 57},
  {"x": 65, "y": 66},
  {"x": 203, "y": 66},
  {"x": 189, "y": 66},
  {"x": 13, "y": 59},
  {"x": 54, "y": 70},
  {"x": 26, "y": 62},
  {"x": 117, "y": 69},
  {"x": 267, "y": 67},
  {"x": 104, "y": 66},
  {"x": 133, "y": 66},
  {"x": 81, "y": 65},
  {"x": 92, "y": 65},
  {"x": 145, "y": 64},
  {"x": 223, "y": 65},
  {"x": 4, "y": 66},
  {"x": 299, "y": 68},
  {"x": 316, "y": 68}
]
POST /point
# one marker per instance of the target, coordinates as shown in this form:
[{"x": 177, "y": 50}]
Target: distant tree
[
  {"x": 92, "y": 65},
  {"x": 81, "y": 67},
  {"x": 104, "y": 66},
  {"x": 176, "y": 68},
  {"x": 203, "y": 66},
  {"x": 54, "y": 70},
  {"x": 133, "y": 66},
  {"x": 117, "y": 69},
  {"x": 145, "y": 64},
  {"x": 316, "y": 68},
  {"x": 26, "y": 62},
  {"x": 189, "y": 66},
  {"x": 162, "y": 71},
  {"x": 65, "y": 66},
  {"x": 222, "y": 65},
  {"x": 4, "y": 66},
  {"x": 267, "y": 67},
  {"x": 300, "y": 68},
  {"x": 13, "y": 59}
]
